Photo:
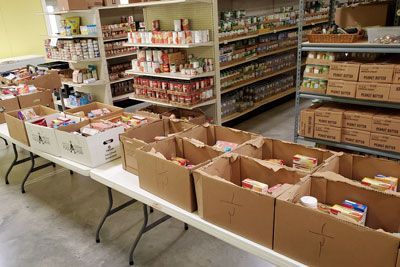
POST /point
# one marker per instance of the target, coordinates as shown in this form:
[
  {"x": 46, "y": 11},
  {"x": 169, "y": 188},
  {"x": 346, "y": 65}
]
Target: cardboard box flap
[{"x": 48, "y": 81}]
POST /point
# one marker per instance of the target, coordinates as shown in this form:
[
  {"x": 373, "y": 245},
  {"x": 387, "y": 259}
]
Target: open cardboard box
[
  {"x": 319, "y": 239},
  {"x": 222, "y": 200},
  {"x": 265, "y": 149},
  {"x": 168, "y": 180},
  {"x": 155, "y": 110},
  {"x": 145, "y": 134},
  {"x": 114, "y": 111},
  {"x": 195, "y": 116},
  {"x": 148, "y": 119},
  {"x": 7, "y": 105},
  {"x": 91, "y": 151},
  {"x": 209, "y": 134},
  {"x": 16, "y": 127}
]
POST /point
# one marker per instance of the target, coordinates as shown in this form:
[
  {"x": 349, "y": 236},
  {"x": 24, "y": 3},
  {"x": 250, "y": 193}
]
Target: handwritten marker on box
[{"x": 255, "y": 186}]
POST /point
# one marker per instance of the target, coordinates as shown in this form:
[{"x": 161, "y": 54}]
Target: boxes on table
[
  {"x": 7, "y": 105},
  {"x": 317, "y": 238},
  {"x": 91, "y": 151},
  {"x": 283, "y": 152},
  {"x": 104, "y": 111},
  {"x": 66, "y": 5},
  {"x": 223, "y": 201},
  {"x": 16, "y": 126},
  {"x": 163, "y": 169},
  {"x": 195, "y": 116},
  {"x": 131, "y": 120},
  {"x": 146, "y": 134}
]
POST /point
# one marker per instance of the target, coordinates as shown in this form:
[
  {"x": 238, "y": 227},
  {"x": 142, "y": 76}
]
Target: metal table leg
[
  {"x": 15, "y": 162},
  {"x": 5, "y": 141},
  {"x": 110, "y": 211},
  {"x": 34, "y": 169}
]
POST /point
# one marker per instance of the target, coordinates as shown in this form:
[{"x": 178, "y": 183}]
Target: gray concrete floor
[{"x": 54, "y": 223}]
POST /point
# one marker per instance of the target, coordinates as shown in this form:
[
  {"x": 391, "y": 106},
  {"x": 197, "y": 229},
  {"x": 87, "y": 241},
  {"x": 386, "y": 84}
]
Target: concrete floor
[{"x": 54, "y": 223}]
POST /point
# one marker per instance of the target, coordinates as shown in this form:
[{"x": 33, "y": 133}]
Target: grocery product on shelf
[
  {"x": 122, "y": 88},
  {"x": 120, "y": 30},
  {"x": 117, "y": 48},
  {"x": 72, "y": 50}
]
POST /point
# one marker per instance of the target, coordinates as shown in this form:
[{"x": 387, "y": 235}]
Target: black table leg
[
  {"x": 13, "y": 163},
  {"x": 33, "y": 169},
  {"x": 5, "y": 141}
]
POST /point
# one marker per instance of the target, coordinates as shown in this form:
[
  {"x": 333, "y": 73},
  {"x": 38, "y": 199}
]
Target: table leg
[
  {"x": 33, "y": 169},
  {"x": 110, "y": 211},
  {"x": 13, "y": 163},
  {"x": 5, "y": 141}
]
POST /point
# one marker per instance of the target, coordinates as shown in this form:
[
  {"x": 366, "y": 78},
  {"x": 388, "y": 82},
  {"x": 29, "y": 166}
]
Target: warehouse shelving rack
[{"x": 362, "y": 47}]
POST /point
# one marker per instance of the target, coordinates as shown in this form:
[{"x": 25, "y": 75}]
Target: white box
[
  {"x": 44, "y": 138},
  {"x": 91, "y": 151}
]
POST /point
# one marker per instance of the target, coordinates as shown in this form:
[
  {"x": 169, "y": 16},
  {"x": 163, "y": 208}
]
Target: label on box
[
  {"x": 385, "y": 142},
  {"x": 307, "y": 123},
  {"x": 357, "y": 120},
  {"x": 356, "y": 137},
  {"x": 373, "y": 91},
  {"x": 394, "y": 94},
  {"x": 327, "y": 133},
  {"x": 329, "y": 116},
  {"x": 341, "y": 88},
  {"x": 396, "y": 74},
  {"x": 386, "y": 125},
  {"x": 344, "y": 71},
  {"x": 378, "y": 73}
]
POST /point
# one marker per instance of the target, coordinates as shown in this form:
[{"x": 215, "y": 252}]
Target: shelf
[
  {"x": 122, "y": 80},
  {"x": 350, "y": 100},
  {"x": 66, "y": 12},
  {"x": 66, "y": 105},
  {"x": 362, "y": 47},
  {"x": 122, "y": 97},
  {"x": 79, "y": 36},
  {"x": 80, "y": 85},
  {"x": 259, "y": 104},
  {"x": 202, "y": 104},
  {"x": 115, "y": 39},
  {"x": 164, "y": 2},
  {"x": 258, "y": 56},
  {"x": 74, "y": 61},
  {"x": 232, "y": 88},
  {"x": 171, "y": 45},
  {"x": 122, "y": 55},
  {"x": 356, "y": 148},
  {"x": 177, "y": 76}
]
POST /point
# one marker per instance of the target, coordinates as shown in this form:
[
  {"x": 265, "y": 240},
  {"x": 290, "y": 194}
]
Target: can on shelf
[
  {"x": 156, "y": 25},
  {"x": 177, "y": 25},
  {"x": 185, "y": 24}
]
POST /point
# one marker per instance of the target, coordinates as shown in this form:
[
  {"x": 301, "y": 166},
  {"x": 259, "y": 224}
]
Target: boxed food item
[
  {"x": 224, "y": 201},
  {"x": 341, "y": 88},
  {"x": 6, "y": 105},
  {"x": 165, "y": 169},
  {"x": 346, "y": 71},
  {"x": 195, "y": 116},
  {"x": 394, "y": 93},
  {"x": 131, "y": 120},
  {"x": 91, "y": 143},
  {"x": 376, "y": 73},
  {"x": 359, "y": 119},
  {"x": 66, "y": 5},
  {"x": 307, "y": 122},
  {"x": 220, "y": 137},
  {"x": 396, "y": 74},
  {"x": 271, "y": 149},
  {"x": 385, "y": 142},
  {"x": 386, "y": 123},
  {"x": 356, "y": 137},
  {"x": 329, "y": 115},
  {"x": 318, "y": 237},
  {"x": 95, "y": 110},
  {"x": 373, "y": 91},
  {"x": 16, "y": 121},
  {"x": 328, "y": 133},
  {"x": 147, "y": 134}
]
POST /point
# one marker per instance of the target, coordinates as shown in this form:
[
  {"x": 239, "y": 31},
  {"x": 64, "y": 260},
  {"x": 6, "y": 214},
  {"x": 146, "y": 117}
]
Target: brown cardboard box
[
  {"x": 359, "y": 119},
  {"x": 319, "y": 239},
  {"x": 155, "y": 110},
  {"x": 373, "y": 91},
  {"x": 6, "y": 106},
  {"x": 357, "y": 137},
  {"x": 117, "y": 118},
  {"x": 265, "y": 149},
  {"x": 65, "y": 5},
  {"x": 94, "y": 3},
  {"x": 396, "y": 74},
  {"x": 222, "y": 201},
  {"x": 385, "y": 142},
  {"x": 168, "y": 180},
  {"x": 307, "y": 121},
  {"x": 320, "y": 91},
  {"x": 195, "y": 116},
  {"x": 394, "y": 94},
  {"x": 209, "y": 134},
  {"x": 329, "y": 115},
  {"x": 362, "y": 15},
  {"x": 42, "y": 97},
  {"x": 145, "y": 134},
  {"x": 96, "y": 105},
  {"x": 16, "y": 127},
  {"x": 346, "y": 71},
  {"x": 328, "y": 133},
  {"x": 341, "y": 88},
  {"x": 386, "y": 123},
  {"x": 376, "y": 73},
  {"x": 111, "y": 2}
]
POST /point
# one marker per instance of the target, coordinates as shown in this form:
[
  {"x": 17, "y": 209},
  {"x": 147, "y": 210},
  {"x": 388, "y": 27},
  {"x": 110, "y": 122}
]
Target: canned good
[
  {"x": 185, "y": 24},
  {"x": 156, "y": 25},
  {"x": 177, "y": 25}
]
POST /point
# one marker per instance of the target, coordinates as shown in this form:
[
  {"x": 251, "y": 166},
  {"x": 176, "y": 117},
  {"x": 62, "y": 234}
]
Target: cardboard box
[
  {"x": 359, "y": 119},
  {"x": 130, "y": 115},
  {"x": 265, "y": 149},
  {"x": 91, "y": 151},
  {"x": 307, "y": 122},
  {"x": 209, "y": 134},
  {"x": 65, "y": 5},
  {"x": 42, "y": 97},
  {"x": 111, "y": 2},
  {"x": 155, "y": 110},
  {"x": 168, "y": 180},
  {"x": 341, "y": 88},
  {"x": 328, "y": 133},
  {"x": 318, "y": 239},
  {"x": 16, "y": 127},
  {"x": 362, "y": 15},
  {"x": 319, "y": 91},
  {"x": 373, "y": 91},
  {"x": 376, "y": 73},
  {"x": 223, "y": 201},
  {"x": 346, "y": 71},
  {"x": 115, "y": 111},
  {"x": 6, "y": 106},
  {"x": 396, "y": 74},
  {"x": 44, "y": 138},
  {"x": 195, "y": 116},
  {"x": 145, "y": 134},
  {"x": 394, "y": 93},
  {"x": 95, "y": 3},
  {"x": 329, "y": 115},
  {"x": 385, "y": 142},
  {"x": 386, "y": 123},
  {"x": 356, "y": 137}
]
